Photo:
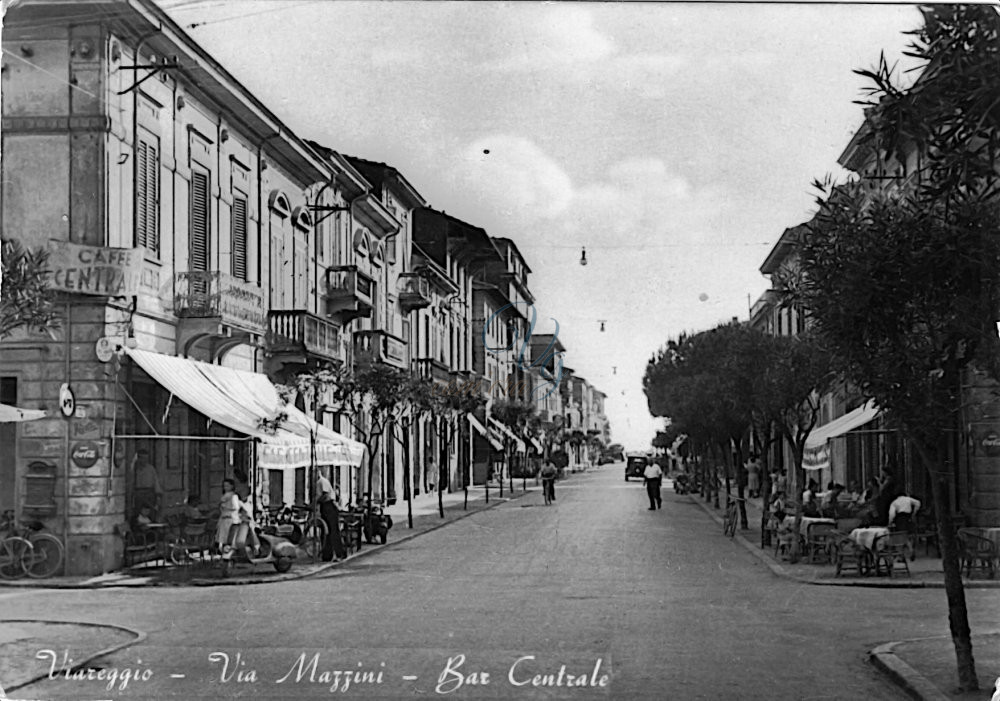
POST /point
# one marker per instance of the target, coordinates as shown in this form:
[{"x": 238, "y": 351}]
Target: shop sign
[
  {"x": 85, "y": 454},
  {"x": 93, "y": 270},
  {"x": 990, "y": 442}
]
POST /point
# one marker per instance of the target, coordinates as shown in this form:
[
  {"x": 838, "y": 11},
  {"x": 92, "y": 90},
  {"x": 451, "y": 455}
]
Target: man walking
[
  {"x": 328, "y": 511},
  {"x": 653, "y": 476}
]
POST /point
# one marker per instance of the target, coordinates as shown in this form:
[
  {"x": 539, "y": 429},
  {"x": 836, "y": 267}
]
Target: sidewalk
[
  {"x": 924, "y": 668},
  {"x": 425, "y": 519}
]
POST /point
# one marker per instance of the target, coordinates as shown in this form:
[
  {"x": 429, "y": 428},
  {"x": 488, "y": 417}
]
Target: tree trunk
[
  {"x": 797, "y": 451},
  {"x": 407, "y": 474},
  {"x": 958, "y": 612},
  {"x": 740, "y": 481}
]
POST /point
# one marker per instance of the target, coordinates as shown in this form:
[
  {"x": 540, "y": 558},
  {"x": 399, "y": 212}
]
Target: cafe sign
[
  {"x": 85, "y": 454},
  {"x": 94, "y": 270}
]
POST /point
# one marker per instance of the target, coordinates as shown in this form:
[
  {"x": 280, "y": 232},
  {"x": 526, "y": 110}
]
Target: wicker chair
[
  {"x": 848, "y": 555},
  {"x": 975, "y": 550},
  {"x": 892, "y": 550},
  {"x": 818, "y": 538}
]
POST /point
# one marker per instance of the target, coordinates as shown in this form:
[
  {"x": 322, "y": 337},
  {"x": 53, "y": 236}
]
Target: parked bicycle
[
  {"x": 27, "y": 550},
  {"x": 732, "y": 518}
]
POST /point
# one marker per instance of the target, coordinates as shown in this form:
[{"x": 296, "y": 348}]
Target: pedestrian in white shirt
[
  {"x": 653, "y": 476},
  {"x": 902, "y": 510}
]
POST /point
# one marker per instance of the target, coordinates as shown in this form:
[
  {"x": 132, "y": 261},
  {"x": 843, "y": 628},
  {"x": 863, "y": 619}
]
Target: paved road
[{"x": 658, "y": 601}]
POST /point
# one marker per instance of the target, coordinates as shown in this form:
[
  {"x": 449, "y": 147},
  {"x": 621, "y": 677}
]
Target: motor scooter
[
  {"x": 276, "y": 549},
  {"x": 375, "y": 523}
]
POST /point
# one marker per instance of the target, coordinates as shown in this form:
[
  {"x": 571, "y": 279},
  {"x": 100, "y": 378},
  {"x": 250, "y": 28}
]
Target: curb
[
  {"x": 905, "y": 676},
  {"x": 887, "y": 583},
  {"x": 251, "y": 579},
  {"x": 139, "y": 637}
]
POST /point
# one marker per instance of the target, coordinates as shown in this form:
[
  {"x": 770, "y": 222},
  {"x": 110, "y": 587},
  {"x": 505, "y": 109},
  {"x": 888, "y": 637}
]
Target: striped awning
[
  {"x": 817, "y": 446},
  {"x": 482, "y": 431},
  {"x": 504, "y": 429},
  {"x": 242, "y": 401}
]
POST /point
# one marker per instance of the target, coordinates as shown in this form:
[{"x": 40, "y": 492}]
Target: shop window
[
  {"x": 300, "y": 485},
  {"x": 275, "y": 487},
  {"x": 147, "y": 192}
]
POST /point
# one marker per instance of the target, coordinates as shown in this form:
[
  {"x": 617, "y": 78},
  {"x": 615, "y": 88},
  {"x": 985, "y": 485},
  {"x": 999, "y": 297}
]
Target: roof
[
  {"x": 513, "y": 245},
  {"x": 786, "y": 244},
  {"x": 383, "y": 175}
]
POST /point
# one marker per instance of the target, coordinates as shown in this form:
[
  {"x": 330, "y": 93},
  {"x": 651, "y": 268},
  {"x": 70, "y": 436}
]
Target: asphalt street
[{"x": 592, "y": 597}]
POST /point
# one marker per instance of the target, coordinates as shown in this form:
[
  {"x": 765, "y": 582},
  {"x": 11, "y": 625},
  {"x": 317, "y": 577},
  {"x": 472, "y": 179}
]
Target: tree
[
  {"x": 26, "y": 300},
  {"x": 419, "y": 403},
  {"x": 515, "y": 414},
  {"x": 446, "y": 409},
  {"x": 903, "y": 281}
]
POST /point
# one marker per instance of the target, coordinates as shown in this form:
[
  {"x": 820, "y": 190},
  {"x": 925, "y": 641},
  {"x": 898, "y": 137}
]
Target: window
[
  {"x": 199, "y": 224},
  {"x": 147, "y": 192},
  {"x": 239, "y": 234}
]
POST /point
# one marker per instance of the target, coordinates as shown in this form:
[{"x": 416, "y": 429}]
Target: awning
[
  {"x": 535, "y": 444},
  {"x": 481, "y": 430},
  {"x": 242, "y": 400},
  {"x": 11, "y": 414},
  {"x": 817, "y": 451},
  {"x": 503, "y": 428}
]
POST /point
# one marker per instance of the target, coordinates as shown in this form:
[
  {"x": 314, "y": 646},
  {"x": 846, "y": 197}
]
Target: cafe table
[
  {"x": 808, "y": 521},
  {"x": 865, "y": 537}
]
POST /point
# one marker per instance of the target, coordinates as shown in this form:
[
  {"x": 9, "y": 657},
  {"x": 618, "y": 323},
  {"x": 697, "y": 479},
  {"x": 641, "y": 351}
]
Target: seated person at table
[
  {"x": 191, "y": 510},
  {"x": 871, "y": 491},
  {"x": 902, "y": 511},
  {"x": 784, "y": 531},
  {"x": 853, "y": 494},
  {"x": 777, "y": 503},
  {"x": 144, "y": 518},
  {"x": 829, "y": 503},
  {"x": 809, "y": 505}
]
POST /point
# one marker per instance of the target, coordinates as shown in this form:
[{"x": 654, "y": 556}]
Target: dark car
[{"x": 635, "y": 466}]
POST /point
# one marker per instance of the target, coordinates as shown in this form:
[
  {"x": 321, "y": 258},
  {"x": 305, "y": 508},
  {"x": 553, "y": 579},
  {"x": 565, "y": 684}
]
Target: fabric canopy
[
  {"x": 535, "y": 444},
  {"x": 481, "y": 430},
  {"x": 10, "y": 414},
  {"x": 521, "y": 447},
  {"x": 817, "y": 450},
  {"x": 242, "y": 401}
]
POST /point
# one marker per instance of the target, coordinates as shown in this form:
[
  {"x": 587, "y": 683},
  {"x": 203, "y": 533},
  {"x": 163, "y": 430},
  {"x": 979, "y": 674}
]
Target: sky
[{"x": 674, "y": 141}]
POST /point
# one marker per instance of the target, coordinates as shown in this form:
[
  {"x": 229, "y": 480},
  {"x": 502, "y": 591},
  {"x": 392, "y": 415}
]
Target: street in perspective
[{"x": 499, "y": 350}]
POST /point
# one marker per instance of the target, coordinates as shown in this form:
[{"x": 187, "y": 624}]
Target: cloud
[
  {"x": 556, "y": 36},
  {"x": 511, "y": 180}
]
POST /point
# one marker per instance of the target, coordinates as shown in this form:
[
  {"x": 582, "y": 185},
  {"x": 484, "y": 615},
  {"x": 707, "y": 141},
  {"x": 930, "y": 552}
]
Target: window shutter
[
  {"x": 240, "y": 237},
  {"x": 147, "y": 195},
  {"x": 199, "y": 221}
]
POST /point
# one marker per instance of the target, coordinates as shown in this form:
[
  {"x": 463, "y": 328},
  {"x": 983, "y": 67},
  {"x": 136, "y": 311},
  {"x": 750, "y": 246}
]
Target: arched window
[
  {"x": 362, "y": 241},
  {"x": 278, "y": 202}
]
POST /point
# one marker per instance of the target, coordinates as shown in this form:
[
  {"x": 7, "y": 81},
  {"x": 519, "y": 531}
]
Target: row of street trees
[
  {"x": 382, "y": 402},
  {"x": 898, "y": 274}
]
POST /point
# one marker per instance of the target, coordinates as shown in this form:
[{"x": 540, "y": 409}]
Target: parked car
[{"x": 635, "y": 466}]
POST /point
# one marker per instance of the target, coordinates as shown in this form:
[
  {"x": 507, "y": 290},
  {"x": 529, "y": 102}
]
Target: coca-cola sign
[
  {"x": 990, "y": 443},
  {"x": 85, "y": 454}
]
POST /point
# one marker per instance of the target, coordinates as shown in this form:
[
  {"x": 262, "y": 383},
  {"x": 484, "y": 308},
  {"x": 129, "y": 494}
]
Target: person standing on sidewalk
[
  {"x": 328, "y": 511},
  {"x": 654, "y": 477}
]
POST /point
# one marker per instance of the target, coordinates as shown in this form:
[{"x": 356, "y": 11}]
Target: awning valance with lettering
[
  {"x": 241, "y": 401},
  {"x": 817, "y": 449}
]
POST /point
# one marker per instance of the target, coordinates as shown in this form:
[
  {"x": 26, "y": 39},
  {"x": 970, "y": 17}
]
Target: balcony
[
  {"x": 414, "y": 292},
  {"x": 381, "y": 347},
  {"x": 349, "y": 293},
  {"x": 433, "y": 369},
  {"x": 296, "y": 336},
  {"x": 217, "y": 306}
]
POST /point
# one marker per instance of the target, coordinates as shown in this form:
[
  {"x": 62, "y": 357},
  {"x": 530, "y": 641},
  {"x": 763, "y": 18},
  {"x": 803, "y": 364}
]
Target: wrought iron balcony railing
[
  {"x": 298, "y": 331},
  {"x": 217, "y": 295}
]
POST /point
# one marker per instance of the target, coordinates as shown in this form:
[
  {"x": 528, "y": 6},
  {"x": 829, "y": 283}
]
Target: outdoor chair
[
  {"x": 818, "y": 537},
  {"x": 783, "y": 543},
  {"x": 892, "y": 550},
  {"x": 975, "y": 550},
  {"x": 137, "y": 545},
  {"x": 925, "y": 531},
  {"x": 195, "y": 540},
  {"x": 848, "y": 555}
]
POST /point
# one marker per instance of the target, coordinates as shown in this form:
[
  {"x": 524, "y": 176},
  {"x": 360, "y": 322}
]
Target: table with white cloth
[
  {"x": 865, "y": 537},
  {"x": 806, "y": 522}
]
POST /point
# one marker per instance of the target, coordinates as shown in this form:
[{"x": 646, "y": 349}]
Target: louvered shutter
[
  {"x": 147, "y": 195},
  {"x": 240, "y": 237},
  {"x": 199, "y": 221}
]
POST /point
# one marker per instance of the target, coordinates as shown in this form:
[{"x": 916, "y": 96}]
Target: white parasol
[{"x": 9, "y": 414}]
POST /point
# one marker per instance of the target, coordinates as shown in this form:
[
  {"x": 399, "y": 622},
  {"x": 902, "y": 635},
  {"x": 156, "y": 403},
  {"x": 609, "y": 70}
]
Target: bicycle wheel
[
  {"x": 46, "y": 558},
  {"x": 313, "y": 537},
  {"x": 13, "y": 551}
]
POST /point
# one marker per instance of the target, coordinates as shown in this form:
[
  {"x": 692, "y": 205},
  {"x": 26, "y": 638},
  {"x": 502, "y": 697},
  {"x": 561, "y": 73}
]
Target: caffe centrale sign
[{"x": 93, "y": 270}]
